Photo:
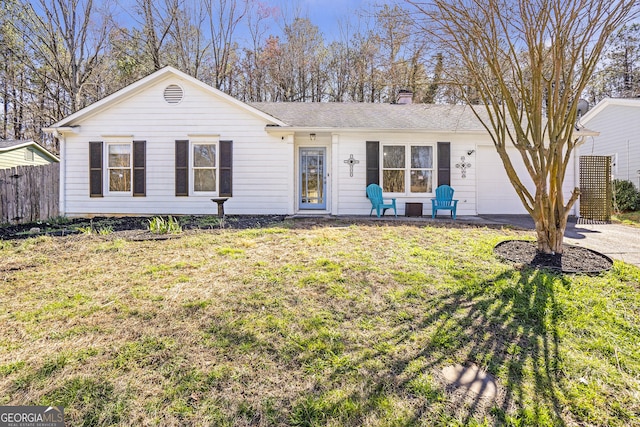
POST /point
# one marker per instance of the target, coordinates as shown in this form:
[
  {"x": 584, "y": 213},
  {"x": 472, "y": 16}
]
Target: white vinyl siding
[
  {"x": 350, "y": 197},
  {"x": 262, "y": 178},
  {"x": 619, "y": 137}
]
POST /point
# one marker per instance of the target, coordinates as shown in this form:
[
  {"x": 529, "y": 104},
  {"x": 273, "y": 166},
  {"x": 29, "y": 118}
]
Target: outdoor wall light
[
  {"x": 312, "y": 136},
  {"x": 470, "y": 152}
]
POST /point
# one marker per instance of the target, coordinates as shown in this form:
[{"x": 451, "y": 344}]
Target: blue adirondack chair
[
  {"x": 444, "y": 201},
  {"x": 374, "y": 193}
]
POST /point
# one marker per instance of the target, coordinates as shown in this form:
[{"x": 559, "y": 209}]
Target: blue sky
[{"x": 327, "y": 14}]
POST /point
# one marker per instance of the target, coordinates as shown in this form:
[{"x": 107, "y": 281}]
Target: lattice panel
[{"x": 595, "y": 188}]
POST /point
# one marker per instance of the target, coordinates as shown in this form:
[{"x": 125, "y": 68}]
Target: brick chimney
[{"x": 404, "y": 97}]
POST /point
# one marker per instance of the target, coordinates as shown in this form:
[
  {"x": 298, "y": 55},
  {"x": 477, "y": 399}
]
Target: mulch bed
[
  {"x": 574, "y": 259},
  {"x": 134, "y": 227}
]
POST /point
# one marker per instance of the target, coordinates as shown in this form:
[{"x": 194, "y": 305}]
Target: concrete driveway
[{"x": 617, "y": 241}]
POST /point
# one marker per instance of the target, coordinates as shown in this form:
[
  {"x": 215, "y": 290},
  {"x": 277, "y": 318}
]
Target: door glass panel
[{"x": 312, "y": 178}]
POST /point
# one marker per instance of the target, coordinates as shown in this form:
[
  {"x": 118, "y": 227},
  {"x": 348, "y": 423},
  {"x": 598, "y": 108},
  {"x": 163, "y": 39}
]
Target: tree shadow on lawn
[{"x": 506, "y": 325}]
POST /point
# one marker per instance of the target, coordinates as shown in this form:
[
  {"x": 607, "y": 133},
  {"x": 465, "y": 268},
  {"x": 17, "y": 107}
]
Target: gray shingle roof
[
  {"x": 373, "y": 116},
  {"x": 9, "y": 144}
]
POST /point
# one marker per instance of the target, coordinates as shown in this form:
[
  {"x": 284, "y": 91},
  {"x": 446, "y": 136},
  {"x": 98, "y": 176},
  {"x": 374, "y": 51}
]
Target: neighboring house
[
  {"x": 618, "y": 121},
  {"x": 24, "y": 153},
  {"x": 169, "y": 143}
]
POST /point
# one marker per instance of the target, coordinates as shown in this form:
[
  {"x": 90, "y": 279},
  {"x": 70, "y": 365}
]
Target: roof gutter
[
  {"x": 58, "y": 131},
  {"x": 309, "y": 129}
]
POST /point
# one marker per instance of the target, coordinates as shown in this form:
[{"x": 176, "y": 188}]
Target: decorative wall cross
[
  {"x": 463, "y": 166},
  {"x": 351, "y": 161}
]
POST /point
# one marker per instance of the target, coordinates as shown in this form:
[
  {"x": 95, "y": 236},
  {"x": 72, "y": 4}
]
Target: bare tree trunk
[
  {"x": 157, "y": 26},
  {"x": 67, "y": 38},
  {"x": 224, "y": 17},
  {"x": 528, "y": 63}
]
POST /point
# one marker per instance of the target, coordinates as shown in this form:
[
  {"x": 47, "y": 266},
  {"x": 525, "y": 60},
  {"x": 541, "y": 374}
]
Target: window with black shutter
[{"x": 204, "y": 168}]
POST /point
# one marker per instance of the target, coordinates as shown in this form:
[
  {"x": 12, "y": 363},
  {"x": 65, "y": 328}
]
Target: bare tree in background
[
  {"x": 159, "y": 17},
  {"x": 188, "y": 44},
  {"x": 619, "y": 73},
  {"x": 394, "y": 34},
  {"x": 529, "y": 63},
  {"x": 12, "y": 73},
  {"x": 66, "y": 39},
  {"x": 224, "y": 17},
  {"x": 366, "y": 81},
  {"x": 254, "y": 62}
]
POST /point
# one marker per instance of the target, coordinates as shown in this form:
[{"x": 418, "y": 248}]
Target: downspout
[
  {"x": 628, "y": 162},
  {"x": 59, "y": 134},
  {"x": 334, "y": 209},
  {"x": 576, "y": 174},
  {"x": 63, "y": 168}
]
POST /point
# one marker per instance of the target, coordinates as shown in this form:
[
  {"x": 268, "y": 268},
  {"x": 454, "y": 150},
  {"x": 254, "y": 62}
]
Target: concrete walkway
[{"x": 617, "y": 241}]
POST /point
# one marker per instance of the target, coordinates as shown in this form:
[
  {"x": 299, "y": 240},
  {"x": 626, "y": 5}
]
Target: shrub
[
  {"x": 105, "y": 230},
  {"x": 88, "y": 230},
  {"x": 625, "y": 196},
  {"x": 159, "y": 225}
]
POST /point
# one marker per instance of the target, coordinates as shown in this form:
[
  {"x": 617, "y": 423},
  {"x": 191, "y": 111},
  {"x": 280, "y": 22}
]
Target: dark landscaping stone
[{"x": 471, "y": 378}]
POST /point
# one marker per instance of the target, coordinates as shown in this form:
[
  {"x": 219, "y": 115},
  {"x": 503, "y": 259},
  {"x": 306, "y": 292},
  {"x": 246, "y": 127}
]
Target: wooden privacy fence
[{"x": 29, "y": 193}]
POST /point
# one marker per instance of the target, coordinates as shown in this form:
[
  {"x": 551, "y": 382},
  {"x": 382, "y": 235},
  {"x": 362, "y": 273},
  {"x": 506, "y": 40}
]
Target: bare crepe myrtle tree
[{"x": 524, "y": 67}]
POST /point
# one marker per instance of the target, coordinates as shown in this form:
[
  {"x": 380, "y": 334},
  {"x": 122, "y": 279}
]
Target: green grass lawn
[
  {"x": 628, "y": 218},
  {"x": 338, "y": 325}
]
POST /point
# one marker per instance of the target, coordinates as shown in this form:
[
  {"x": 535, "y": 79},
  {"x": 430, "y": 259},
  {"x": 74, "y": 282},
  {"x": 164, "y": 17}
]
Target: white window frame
[
  {"x": 193, "y": 168},
  {"x": 407, "y": 168},
  {"x": 108, "y": 168},
  {"x": 29, "y": 155}
]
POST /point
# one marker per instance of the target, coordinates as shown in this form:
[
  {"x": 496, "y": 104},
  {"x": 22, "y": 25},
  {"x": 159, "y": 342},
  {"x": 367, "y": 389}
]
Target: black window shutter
[
  {"x": 444, "y": 163},
  {"x": 226, "y": 164},
  {"x": 182, "y": 168},
  {"x": 139, "y": 164},
  {"x": 373, "y": 162},
  {"x": 95, "y": 169}
]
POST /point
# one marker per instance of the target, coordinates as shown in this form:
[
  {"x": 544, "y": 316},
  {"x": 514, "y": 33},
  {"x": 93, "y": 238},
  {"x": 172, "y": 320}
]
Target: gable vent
[{"x": 173, "y": 94}]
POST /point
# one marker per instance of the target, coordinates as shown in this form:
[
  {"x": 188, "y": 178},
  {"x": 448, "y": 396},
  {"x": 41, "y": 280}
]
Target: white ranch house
[{"x": 169, "y": 143}]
